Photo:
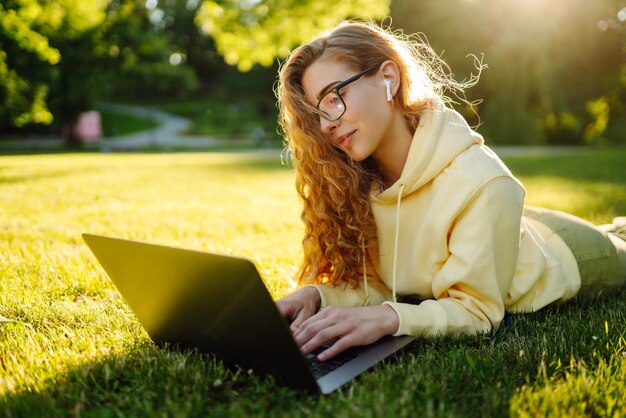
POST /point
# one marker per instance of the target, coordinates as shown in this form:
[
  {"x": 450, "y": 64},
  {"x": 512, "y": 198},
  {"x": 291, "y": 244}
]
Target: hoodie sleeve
[
  {"x": 344, "y": 295},
  {"x": 471, "y": 287}
]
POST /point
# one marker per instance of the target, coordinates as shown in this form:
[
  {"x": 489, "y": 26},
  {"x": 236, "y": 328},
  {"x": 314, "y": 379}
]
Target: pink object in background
[{"x": 88, "y": 127}]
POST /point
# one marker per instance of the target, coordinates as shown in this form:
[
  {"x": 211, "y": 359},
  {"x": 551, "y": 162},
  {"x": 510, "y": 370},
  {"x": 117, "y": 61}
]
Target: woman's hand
[
  {"x": 299, "y": 306},
  {"x": 349, "y": 326}
]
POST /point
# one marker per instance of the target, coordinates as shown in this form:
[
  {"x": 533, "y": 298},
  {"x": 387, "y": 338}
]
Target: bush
[
  {"x": 562, "y": 128},
  {"x": 157, "y": 80}
]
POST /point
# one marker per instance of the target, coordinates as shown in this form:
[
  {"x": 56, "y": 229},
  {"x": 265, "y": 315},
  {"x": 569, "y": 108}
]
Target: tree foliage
[
  {"x": 58, "y": 56},
  {"x": 249, "y": 32},
  {"x": 27, "y": 57},
  {"x": 185, "y": 37},
  {"x": 138, "y": 49},
  {"x": 555, "y": 67}
]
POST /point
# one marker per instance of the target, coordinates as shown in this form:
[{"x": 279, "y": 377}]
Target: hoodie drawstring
[
  {"x": 367, "y": 293},
  {"x": 395, "y": 254},
  {"x": 395, "y": 244}
]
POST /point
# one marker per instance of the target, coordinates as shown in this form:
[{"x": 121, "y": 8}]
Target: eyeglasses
[{"x": 331, "y": 105}]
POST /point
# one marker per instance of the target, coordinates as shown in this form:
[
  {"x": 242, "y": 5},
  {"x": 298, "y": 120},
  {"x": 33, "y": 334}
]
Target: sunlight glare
[{"x": 151, "y": 4}]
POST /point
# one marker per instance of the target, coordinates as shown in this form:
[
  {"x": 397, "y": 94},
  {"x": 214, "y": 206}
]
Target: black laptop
[{"x": 218, "y": 304}]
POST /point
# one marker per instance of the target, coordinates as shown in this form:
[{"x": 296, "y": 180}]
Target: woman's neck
[{"x": 393, "y": 151}]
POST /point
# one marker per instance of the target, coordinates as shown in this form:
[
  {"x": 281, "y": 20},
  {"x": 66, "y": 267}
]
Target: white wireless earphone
[{"x": 388, "y": 88}]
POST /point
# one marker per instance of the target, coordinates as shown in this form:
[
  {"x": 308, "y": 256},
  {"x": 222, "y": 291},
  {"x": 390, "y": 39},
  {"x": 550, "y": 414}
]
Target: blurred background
[{"x": 556, "y": 69}]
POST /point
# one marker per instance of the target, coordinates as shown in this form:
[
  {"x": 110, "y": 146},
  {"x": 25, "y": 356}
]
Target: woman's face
[{"x": 364, "y": 127}]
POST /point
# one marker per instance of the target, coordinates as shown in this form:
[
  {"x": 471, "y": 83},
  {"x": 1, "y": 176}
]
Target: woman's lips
[{"x": 344, "y": 140}]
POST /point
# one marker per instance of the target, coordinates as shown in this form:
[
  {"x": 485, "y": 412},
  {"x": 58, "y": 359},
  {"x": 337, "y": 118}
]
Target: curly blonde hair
[{"x": 340, "y": 232}]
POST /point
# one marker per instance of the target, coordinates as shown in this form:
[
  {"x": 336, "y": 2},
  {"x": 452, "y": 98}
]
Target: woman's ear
[{"x": 390, "y": 71}]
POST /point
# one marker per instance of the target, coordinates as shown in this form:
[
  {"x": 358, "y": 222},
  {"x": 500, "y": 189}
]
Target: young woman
[{"x": 414, "y": 226}]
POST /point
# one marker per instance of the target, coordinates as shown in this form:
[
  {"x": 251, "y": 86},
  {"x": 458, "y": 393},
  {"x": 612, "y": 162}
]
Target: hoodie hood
[{"x": 442, "y": 134}]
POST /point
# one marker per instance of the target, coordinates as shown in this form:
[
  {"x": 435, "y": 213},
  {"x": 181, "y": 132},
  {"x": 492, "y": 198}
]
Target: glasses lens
[{"x": 332, "y": 105}]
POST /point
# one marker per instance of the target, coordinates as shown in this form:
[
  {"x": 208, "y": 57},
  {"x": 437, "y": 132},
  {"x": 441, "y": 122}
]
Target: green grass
[
  {"x": 115, "y": 123},
  {"x": 83, "y": 353},
  {"x": 228, "y": 117}
]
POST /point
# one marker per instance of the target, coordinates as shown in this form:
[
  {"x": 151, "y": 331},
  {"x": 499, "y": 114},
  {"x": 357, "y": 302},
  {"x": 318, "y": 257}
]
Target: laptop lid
[{"x": 215, "y": 303}]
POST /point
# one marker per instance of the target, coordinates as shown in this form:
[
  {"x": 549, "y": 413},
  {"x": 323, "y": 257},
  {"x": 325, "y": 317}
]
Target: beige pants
[{"x": 600, "y": 255}]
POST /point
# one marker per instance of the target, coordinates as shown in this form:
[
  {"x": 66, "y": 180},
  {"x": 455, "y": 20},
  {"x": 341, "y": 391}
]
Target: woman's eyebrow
[{"x": 326, "y": 89}]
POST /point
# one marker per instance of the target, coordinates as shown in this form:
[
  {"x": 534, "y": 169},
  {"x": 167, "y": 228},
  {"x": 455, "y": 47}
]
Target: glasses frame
[{"x": 335, "y": 90}]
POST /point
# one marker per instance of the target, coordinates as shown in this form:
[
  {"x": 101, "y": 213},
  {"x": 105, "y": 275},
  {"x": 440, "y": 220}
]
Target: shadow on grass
[
  {"x": 150, "y": 381},
  {"x": 10, "y": 178},
  {"x": 467, "y": 376},
  {"x": 240, "y": 162},
  {"x": 224, "y": 146}
]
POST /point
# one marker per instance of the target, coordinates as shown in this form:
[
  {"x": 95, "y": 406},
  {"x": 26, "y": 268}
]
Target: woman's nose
[{"x": 326, "y": 125}]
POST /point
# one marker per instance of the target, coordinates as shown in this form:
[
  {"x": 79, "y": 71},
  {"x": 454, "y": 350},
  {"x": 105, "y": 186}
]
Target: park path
[{"x": 169, "y": 134}]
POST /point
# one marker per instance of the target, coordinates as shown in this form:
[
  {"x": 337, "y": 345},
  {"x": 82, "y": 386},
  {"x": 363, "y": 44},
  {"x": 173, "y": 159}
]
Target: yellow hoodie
[{"x": 451, "y": 233}]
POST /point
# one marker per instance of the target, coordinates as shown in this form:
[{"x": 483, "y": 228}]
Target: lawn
[
  {"x": 117, "y": 123},
  {"x": 230, "y": 118},
  {"x": 78, "y": 351},
  {"x": 113, "y": 124}
]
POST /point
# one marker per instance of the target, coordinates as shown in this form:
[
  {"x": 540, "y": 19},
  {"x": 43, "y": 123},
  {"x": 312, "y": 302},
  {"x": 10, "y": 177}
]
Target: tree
[
  {"x": 197, "y": 50},
  {"x": 58, "y": 57},
  {"x": 23, "y": 49},
  {"x": 138, "y": 53},
  {"x": 32, "y": 36},
  {"x": 554, "y": 66},
  {"x": 249, "y": 32}
]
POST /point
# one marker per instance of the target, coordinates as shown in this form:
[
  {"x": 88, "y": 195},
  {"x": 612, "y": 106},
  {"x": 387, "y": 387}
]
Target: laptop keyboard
[{"x": 322, "y": 368}]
